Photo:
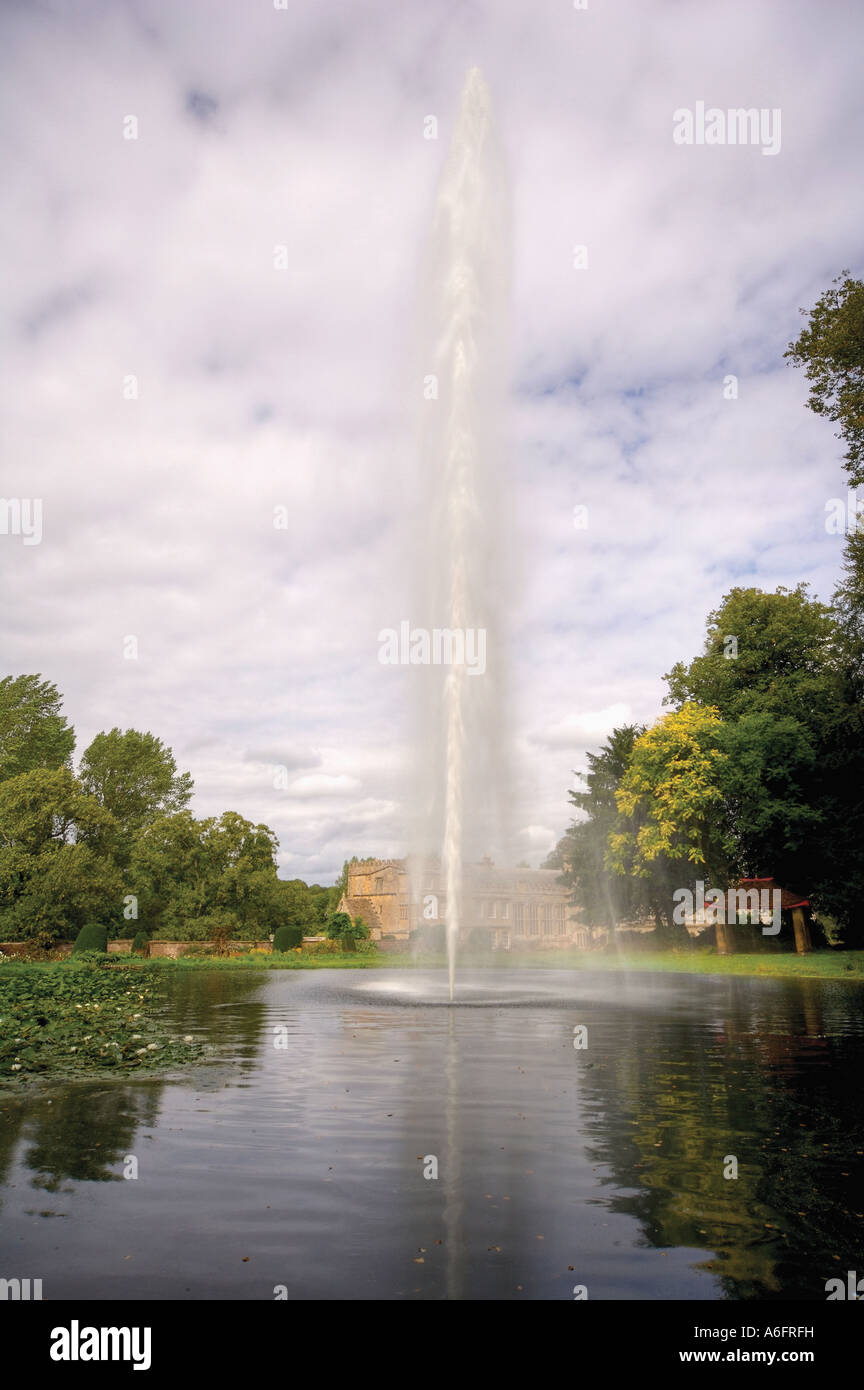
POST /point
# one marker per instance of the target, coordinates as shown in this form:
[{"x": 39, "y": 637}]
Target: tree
[
  {"x": 766, "y": 652},
  {"x": 609, "y": 896},
  {"x": 849, "y": 608},
  {"x": 168, "y": 874},
  {"x": 831, "y": 350},
  {"x": 792, "y": 791},
  {"x": 57, "y": 865},
  {"x": 135, "y": 777},
  {"x": 189, "y": 872},
  {"x": 33, "y": 732},
  {"x": 670, "y": 798},
  {"x": 302, "y": 905},
  {"x": 48, "y": 808},
  {"x": 766, "y": 782},
  {"x": 340, "y": 887}
]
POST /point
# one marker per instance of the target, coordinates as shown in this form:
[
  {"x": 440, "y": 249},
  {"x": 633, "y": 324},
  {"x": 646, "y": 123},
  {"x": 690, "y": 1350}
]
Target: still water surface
[{"x": 303, "y": 1165}]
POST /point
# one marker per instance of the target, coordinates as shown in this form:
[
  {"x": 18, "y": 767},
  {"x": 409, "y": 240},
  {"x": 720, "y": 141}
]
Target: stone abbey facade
[{"x": 516, "y": 907}]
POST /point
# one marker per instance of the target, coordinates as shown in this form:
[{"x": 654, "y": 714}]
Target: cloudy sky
[{"x": 261, "y": 388}]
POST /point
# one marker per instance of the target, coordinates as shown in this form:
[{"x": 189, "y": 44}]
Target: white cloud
[
  {"x": 261, "y": 388},
  {"x": 318, "y": 784}
]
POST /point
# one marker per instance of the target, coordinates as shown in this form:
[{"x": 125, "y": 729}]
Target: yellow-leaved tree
[{"x": 670, "y": 801}]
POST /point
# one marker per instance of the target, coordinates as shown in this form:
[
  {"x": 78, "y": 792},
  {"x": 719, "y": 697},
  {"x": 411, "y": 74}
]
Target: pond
[{"x": 352, "y": 1137}]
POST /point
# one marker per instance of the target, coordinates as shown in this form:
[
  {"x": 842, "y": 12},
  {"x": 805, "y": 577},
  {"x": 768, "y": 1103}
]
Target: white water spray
[{"x": 464, "y": 559}]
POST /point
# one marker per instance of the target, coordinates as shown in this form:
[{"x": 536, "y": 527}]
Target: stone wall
[{"x": 172, "y": 949}]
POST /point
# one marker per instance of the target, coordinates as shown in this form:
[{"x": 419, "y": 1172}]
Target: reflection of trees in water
[
  {"x": 87, "y": 1130},
  {"x": 757, "y": 1079},
  {"x": 200, "y": 1002},
  {"x": 83, "y": 1129}
]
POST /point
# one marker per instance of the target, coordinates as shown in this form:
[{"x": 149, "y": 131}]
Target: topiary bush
[
  {"x": 141, "y": 944},
  {"x": 91, "y": 937},
  {"x": 287, "y": 938}
]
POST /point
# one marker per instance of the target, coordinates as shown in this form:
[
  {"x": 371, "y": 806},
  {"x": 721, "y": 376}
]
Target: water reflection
[{"x": 303, "y": 1165}]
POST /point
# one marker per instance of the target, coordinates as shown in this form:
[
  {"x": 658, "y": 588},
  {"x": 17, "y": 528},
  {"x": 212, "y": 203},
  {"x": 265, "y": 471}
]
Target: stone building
[{"x": 514, "y": 906}]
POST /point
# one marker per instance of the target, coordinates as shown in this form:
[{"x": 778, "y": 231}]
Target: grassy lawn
[
  {"x": 835, "y": 965},
  {"x": 820, "y": 965}
]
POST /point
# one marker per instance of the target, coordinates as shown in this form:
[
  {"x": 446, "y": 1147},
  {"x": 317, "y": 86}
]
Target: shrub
[
  {"x": 141, "y": 944},
  {"x": 286, "y": 938},
  {"x": 339, "y": 927},
  {"x": 337, "y": 924},
  {"x": 432, "y": 936},
  {"x": 91, "y": 937}
]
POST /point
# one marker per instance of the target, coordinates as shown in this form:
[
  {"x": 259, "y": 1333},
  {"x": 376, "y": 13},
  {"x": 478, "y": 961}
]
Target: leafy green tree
[
  {"x": 849, "y": 608},
  {"x": 302, "y": 905},
  {"x": 49, "y": 807},
  {"x": 50, "y": 895},
  {"x": 33, "y": 732},
  {"x": 169, "y": 874},
  {"x": 184, "y": 870},
  {"x": 340, "y": 887},
  {"x": 57, "y": 868},
  {"x": 135, "y": 777},
  {"x": 766, "y": 784},
  {"x": 831, "y": 351},
  {"x": 766, "y": 652}
]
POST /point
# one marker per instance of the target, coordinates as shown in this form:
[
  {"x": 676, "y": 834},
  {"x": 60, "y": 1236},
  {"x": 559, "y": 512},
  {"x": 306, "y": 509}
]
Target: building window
[
  {"x": 403, "y": 912},
  {"x": 379, "y": 885},
  {"x": 504, "y": 910}
]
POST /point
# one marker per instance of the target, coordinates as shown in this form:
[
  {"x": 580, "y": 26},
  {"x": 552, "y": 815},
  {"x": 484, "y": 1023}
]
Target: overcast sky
[{"x": 260, "y": 387}]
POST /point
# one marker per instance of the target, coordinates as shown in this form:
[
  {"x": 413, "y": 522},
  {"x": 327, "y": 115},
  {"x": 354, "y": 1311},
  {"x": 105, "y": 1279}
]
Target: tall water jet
[{"x": 465, "y": 292}]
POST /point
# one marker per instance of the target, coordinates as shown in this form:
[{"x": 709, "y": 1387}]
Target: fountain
[{"x": 462, "y": 562}]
